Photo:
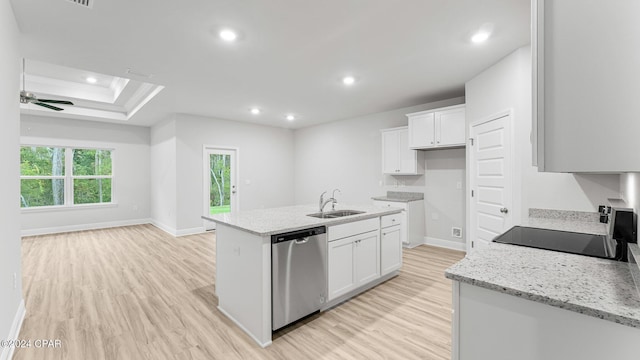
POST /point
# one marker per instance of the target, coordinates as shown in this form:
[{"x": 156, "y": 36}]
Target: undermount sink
[{"x": 335, "y": 214}]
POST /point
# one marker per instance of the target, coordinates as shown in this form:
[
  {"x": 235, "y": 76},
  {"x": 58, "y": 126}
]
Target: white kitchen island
[{"x": 243, "y": 258}]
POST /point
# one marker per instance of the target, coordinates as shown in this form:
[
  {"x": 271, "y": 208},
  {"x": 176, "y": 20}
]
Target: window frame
[{"x": 68, "y": 176}]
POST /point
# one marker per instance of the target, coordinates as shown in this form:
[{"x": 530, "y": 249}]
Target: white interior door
[
  {"x": 220, "y": 190},
  {"x": 491, "y": 180}
]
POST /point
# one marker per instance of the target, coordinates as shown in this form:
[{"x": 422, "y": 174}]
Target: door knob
[{"x": 504, "y": 210}]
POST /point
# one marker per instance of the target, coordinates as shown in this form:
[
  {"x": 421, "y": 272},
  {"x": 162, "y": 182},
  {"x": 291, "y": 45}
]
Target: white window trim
[{"x": 69, "y": 145}]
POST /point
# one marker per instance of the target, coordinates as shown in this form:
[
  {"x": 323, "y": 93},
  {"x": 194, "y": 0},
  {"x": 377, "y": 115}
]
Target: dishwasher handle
[
  {"x": 298, "y": 235},
  {"x": 301, "y": 241}
]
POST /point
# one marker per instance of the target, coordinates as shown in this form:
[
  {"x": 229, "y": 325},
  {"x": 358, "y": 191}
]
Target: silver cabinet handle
[{"x": 504, "y": 210}]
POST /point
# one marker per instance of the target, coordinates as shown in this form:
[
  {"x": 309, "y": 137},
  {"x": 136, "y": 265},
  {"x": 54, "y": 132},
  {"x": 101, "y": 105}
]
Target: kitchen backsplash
[{"x": 566, "y": 215}]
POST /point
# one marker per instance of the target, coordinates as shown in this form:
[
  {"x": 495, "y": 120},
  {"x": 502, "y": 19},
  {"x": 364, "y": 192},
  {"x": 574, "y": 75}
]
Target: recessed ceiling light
[
  {"x": 480, "y": 37},
  {"x": 228, "y": 35},
  {"x": 291, "y": 117},
  {"x": 255, "y": 111},
  {"x": 92, "y": 80},
  {"x": 348, "y": 80}
]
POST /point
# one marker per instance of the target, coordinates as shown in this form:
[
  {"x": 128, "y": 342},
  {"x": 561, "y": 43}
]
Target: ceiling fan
[{"x": 31, "y": 98}]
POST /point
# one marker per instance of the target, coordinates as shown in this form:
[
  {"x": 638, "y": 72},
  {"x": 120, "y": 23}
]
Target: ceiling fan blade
[
  {"x": 55, "y": 101},
  {"x": 49, "y": 106}
]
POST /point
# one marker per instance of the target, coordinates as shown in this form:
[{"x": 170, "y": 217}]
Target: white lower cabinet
[
  {"x": 411, "y": 219},
  {"x": 352, "y": 261},
  {"x": 390, "y": 249},
  {"x": 367, "y": 258},
  {"x": 340, "y": 266}
]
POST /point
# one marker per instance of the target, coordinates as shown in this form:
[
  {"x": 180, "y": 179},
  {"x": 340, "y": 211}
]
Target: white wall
[
  {"x": 444, "y": 169},
  {"x": 507, "y": 85},
  {"x": 130, "y": 168},
  {"x": 265, "y": 165},
  {"x": 10, "y": 264},
  {"x": 347, "y": 154},
  {"x": 163, "y": 175}
]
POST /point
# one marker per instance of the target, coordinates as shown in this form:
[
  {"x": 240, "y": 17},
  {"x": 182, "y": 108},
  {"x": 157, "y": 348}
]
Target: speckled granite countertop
[
  {"x": 575, "y": 221},
  {"x": 265, "y": 222},
  {"x": 400, "y": 196},
  {"x": 596, "y": 287},
  {"x": 587, "y": 227}
]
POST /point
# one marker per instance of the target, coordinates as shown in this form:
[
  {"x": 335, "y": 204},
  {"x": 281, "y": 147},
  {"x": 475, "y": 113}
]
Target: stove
[{"x": 600, "y": 246}]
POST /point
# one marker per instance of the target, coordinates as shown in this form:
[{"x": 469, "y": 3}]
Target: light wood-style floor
[{"x": 138, "y": 293}]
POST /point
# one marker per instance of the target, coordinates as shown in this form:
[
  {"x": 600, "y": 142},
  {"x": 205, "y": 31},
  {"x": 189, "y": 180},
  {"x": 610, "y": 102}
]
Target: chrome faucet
[
  {"x": 324, "y": 202},
  {"x": 331, "y": 200},
  {"x": 321, "y": 204},
  {"x": 333, "y": 196}
]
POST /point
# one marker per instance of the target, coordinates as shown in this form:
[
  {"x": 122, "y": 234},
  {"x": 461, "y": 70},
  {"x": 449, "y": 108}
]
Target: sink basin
[{"x": 335, "y": 214}]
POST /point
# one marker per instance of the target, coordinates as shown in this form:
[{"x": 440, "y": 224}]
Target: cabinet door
[
  {"x": 450, "y": 127},
  {"x": 407, "y": 158},
  {"x": 390, "y": 156},
  {"x": 421, "y": 131},
  {"x": 340, "y": 267},
  {"x": 586, "y": 86},
  {"x": 367, "y": 257},
  {"x": 390, "y": 249}
]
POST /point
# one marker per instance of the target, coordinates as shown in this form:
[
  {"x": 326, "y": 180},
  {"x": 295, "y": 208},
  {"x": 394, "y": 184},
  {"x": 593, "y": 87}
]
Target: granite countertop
[
  {"x": 601, "y": 288},
  {"x": 575, "y": 221},
  {"x": 400, "y": 196},
  {"x": 587, "y": 227},
  {"x": 596, "y": 287},
  {"x": 265, "y": 222}
]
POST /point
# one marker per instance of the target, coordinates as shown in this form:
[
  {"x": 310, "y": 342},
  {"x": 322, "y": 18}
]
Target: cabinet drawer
[
  {"x": 390, "y": 220},
  {"x": 354, "y": 228},
  {"x": 381, "y": 203}
]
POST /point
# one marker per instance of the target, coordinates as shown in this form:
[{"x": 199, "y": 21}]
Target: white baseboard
[
  {"x": 81, "y": 227},
  {"x": 14, "y": 333},
  {"x": 175, "y": 232},
  {"x": 264, "y": 345},
  {"x": 195, "y": 230},
  {"x": 447, "y": 244},
  {"x": 168, "y": 229}
]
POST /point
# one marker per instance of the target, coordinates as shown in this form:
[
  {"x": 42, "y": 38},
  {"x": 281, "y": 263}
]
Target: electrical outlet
[
  {"x": 459, "y": 185},
  {"x": 456, "y": 232}
]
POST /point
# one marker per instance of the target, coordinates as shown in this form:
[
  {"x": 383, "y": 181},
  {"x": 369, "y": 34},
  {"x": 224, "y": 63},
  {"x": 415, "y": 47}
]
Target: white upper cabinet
[
  {"x": 437, "y": 128},
  {"x": 586, "y": 85},
  {"x": 422, "y": 134},
  {"x": 397, "y": 158}
]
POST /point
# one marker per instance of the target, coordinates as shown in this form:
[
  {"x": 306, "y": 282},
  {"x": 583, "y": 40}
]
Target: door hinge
[
  {"x": 472, "y": 244},
  {"x": 471, "y": 139},
  {"x": 472, "y": 193}
]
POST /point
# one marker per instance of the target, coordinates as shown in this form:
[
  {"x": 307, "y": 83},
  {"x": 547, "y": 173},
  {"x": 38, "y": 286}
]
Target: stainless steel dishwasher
[{"x": 298, "y": 274}]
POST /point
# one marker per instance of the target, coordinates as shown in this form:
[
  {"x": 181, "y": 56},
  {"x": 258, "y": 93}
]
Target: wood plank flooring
[{"x": 138, "y": 293}]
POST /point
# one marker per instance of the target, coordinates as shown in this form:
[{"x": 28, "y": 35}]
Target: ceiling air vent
[{"x": 83, "y": 3}]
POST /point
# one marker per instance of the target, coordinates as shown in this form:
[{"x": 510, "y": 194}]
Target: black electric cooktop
[{"x": 564, "y": 241}]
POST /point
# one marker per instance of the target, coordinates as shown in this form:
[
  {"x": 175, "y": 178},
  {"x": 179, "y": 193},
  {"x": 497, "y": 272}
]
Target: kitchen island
[
  {"x": 514, "y": 302},
  {"x": 243, "y": 258}
]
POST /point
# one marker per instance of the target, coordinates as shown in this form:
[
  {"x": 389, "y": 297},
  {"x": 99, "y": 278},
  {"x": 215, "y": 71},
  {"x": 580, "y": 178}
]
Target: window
[
  {"x": 91, "y": 176},
  {"x": 56, "y": 176}
]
